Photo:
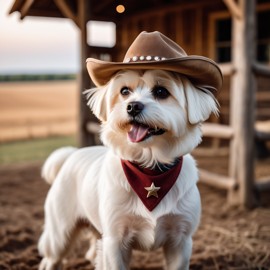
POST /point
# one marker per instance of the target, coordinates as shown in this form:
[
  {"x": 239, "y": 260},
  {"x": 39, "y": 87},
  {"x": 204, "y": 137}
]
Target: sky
[{"x": 44, "y": 45}]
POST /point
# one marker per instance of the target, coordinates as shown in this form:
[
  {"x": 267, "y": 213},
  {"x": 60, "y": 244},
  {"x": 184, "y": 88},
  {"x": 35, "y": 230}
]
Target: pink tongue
[{"x": 137, "y": 133}]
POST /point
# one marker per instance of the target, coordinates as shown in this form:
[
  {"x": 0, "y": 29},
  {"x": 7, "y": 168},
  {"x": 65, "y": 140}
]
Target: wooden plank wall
[
  {"x": 262, "y": 100},
  {"x": 186, "y": 23}
]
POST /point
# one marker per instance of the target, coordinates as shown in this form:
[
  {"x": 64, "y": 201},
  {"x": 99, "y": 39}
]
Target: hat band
[{"x": 144, "y": 58}]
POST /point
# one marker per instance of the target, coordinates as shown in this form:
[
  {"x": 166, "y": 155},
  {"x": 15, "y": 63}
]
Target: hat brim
[{"x": 200, "y": 70}]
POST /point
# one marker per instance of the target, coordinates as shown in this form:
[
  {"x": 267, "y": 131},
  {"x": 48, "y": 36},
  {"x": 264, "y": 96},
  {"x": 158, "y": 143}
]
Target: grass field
[{"x": 32, "y": 150}]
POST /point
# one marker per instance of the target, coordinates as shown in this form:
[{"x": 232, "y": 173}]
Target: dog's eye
[
  {"x": 160, "y": 92},
  {"x": 125, "y": 91}
]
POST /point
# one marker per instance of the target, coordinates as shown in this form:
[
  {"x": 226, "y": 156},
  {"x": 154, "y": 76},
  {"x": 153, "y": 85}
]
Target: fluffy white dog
[{"x": 139, "y": 190}]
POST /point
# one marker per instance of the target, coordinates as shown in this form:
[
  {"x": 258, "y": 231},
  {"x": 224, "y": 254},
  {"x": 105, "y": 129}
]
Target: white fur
[
  {"x": 54, "y": 163},
  {"x": 91, "y": 185}
]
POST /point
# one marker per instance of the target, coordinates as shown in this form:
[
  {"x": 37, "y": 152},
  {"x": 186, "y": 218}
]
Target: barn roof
[{"x": 98, "y": 10}]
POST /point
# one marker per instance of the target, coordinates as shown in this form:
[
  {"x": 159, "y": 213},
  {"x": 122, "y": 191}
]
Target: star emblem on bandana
[{"x": 152, "y": 191}]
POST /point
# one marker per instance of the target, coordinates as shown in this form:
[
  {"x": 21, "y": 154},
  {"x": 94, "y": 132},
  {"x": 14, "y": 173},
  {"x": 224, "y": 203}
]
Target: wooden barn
[{"x": 235, "y": 33}]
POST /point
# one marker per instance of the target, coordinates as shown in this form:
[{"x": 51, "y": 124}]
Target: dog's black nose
[{"x": 134, "y": 108}]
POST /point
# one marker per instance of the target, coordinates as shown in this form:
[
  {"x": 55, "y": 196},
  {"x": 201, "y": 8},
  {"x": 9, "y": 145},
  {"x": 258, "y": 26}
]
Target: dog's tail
[{"x": 54, "y": 163}]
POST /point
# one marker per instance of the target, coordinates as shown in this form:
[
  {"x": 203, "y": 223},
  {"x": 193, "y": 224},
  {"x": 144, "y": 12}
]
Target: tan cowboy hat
[{"x": 155, "y": 51}]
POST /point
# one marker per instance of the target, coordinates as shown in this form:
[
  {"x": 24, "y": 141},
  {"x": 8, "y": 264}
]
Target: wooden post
[
  {"x": 25, "y": 8},
  {"x": 242, "y": 114},
  {"x": 67, "y": 11},
  {"x": 85, "y": 115},
  {"x": 233, "y": 7}
]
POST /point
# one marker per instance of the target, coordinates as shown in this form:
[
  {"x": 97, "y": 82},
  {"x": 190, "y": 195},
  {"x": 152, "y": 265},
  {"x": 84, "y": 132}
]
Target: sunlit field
[
  {"x": 36, "y": 117},
  {"x": 38, "y": 109}
]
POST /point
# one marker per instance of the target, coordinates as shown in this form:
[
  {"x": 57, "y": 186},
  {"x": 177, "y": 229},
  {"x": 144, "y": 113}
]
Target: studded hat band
[{"x": 144, "y": 58}]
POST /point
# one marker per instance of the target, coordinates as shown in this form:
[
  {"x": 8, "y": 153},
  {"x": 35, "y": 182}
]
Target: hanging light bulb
[{"x": 120, "y": 8}]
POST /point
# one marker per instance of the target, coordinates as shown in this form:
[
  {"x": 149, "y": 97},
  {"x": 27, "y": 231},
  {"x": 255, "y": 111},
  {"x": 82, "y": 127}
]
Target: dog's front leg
[
  {"x": 178, "y": 256},
  {"x": 112, "y": 255}
]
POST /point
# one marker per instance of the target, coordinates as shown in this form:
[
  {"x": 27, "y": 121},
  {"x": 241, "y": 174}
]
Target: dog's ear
[
  {"x": 97, "y": 102},
  {"x": 200, "y": 102}
]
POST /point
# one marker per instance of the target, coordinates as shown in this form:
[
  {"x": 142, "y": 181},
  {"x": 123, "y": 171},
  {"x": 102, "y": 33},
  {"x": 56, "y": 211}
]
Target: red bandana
[{"x": 151, "y": 186}]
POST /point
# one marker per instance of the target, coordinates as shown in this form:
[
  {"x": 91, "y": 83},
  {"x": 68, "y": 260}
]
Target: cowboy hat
[{"x": 154, "y": 50}]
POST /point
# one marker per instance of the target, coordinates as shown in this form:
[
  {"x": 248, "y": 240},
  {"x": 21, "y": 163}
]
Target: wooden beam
[
  {"x": 217, "y": 131},
  {"x": 227, "y": 69},
  {"x": 262, "y": 130},
  {"x": 25, "y": 8},
  {"x": 217, "y": 180},
  {"x": 85, "y": 115},
  {"x": 261, "y": 70},
  {"x": 15, "y": 6},
  {"x": 66, "y": 10},
  {"x": 263, "y": 126},
  {"x": 206, "y": 151},
  {"x": 242, "y": 111},
  {"x": 93, "y": 127},
  {"x": 44, "y": 13},
  {"x": 233, "y": 8}
]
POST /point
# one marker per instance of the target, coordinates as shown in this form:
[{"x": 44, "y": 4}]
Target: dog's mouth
[{"x": 139, "y": 132}]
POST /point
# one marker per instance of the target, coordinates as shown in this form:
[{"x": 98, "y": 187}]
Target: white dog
[{"x": 139, "y": 190}]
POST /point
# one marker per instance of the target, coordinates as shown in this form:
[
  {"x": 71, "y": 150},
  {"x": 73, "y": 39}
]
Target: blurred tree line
[{"x": 36, "y": 77}]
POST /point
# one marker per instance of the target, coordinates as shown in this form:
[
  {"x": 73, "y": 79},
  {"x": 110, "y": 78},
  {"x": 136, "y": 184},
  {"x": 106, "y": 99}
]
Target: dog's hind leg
[
  {"x": 54, "y": 245},
  {"x": 52, "y": 251},
  {"x": 60, "y": 227}
]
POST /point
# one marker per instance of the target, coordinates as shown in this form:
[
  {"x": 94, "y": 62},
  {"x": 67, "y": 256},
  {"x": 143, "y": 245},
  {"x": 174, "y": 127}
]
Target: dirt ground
[{"x": 228, "y": 237}]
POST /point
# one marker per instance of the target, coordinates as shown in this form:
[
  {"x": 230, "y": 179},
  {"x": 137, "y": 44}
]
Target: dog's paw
[
  {"x": 91, "y": 254},
  {"x": 49, "y": 264},
  {"x": 92, "y": 251}
]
